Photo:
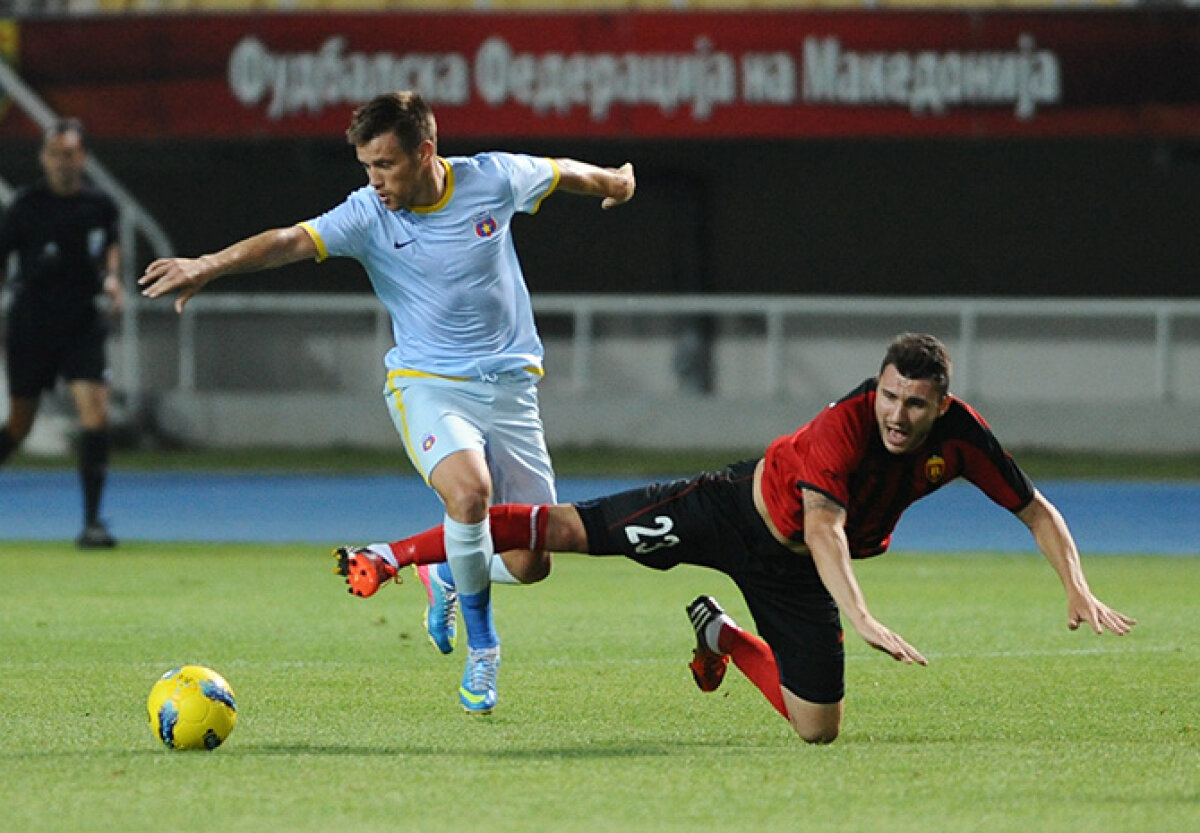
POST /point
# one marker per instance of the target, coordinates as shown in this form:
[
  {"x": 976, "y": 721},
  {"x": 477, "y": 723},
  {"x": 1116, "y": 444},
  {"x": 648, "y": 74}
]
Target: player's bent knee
[
  {"x": 528, "y": 567},
  {"x": 539, "y": 569},
  {"x": 464, "y": 485},
  {"x": 816, "y": 723},
  {"x": 565, "y": 531},
  {"x": 817, "y": 736},
  {"x": 466, "y": 503}
]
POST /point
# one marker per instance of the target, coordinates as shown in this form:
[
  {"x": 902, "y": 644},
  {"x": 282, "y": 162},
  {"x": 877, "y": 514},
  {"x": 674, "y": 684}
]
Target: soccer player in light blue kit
[{"x": 433, "y": 235}]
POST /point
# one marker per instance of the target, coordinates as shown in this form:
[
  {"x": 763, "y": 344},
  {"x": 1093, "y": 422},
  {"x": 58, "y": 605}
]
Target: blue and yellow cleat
[
  {"x": 441, "y": 616},
  {"x": 478, "y": 690}
]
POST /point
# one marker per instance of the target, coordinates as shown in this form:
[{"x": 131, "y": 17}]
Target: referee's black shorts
[
  {"x": 710, "y": 521},
  {"x": 42, "y": 348}
]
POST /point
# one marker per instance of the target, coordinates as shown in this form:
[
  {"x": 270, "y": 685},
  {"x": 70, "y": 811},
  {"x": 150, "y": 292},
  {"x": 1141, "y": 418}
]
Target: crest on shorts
[
  {"x": 427, "y": 442},
  {"x": 935, "y": 468},
  {"x": 485, "y": 224}
]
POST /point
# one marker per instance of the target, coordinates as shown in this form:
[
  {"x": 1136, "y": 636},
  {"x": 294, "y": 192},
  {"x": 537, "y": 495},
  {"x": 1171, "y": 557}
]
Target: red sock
[
  {"x": 514, "y": 527},
  {"x": 517, "y": 526},
  {"x": 428, "y": 547},
  {"x": 754, "y": 658}
]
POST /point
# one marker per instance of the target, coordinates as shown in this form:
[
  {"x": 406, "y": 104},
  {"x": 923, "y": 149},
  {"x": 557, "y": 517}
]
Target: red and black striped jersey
[{"x": 840, "y": 454}]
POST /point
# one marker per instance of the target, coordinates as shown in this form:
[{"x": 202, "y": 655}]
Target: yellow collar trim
[{"x": 446, "y": 194}]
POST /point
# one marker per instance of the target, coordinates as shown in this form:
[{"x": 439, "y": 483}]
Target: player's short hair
[
  {"x": 62, "y": 126},
  {"x": 403, "y": 113},
  {"x": 920, "y": 356}
]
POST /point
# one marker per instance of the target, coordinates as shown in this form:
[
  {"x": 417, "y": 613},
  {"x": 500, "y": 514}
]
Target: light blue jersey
[{"x": 448, "y": 274}]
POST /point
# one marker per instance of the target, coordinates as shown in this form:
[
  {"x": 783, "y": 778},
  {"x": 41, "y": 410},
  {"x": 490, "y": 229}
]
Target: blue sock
[
  {"x": 477, "y": 616},
  {"x": 444, "y": 573}
]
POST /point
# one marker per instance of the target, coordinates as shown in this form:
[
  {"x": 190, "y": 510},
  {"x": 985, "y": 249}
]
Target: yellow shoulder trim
[
  {"x": 322, "y": 252},
  {"x": 553, "y": 185}
]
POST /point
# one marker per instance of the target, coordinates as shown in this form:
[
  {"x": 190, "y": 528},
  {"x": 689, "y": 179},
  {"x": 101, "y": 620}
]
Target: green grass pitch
[{"x": 349, "y": 719}]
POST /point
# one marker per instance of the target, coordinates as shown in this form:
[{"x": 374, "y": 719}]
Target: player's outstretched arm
[
  {"x": 825, "y": 537},
  {"x": 187, "y": 276},
  {"x": 614, "y": 185},
  {"x": 1054, "y": 539}
]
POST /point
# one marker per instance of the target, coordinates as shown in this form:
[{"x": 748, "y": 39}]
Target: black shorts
[
  {"x": 710, "y": 521},
  {"x": 43, "y": 348}
]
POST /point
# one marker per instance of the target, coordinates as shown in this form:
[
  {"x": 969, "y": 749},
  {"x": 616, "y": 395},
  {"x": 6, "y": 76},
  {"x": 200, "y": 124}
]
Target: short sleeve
[
  {"x": 344, "y": 229},
  {"x": 996, "y": 473},
  {"x": 830, "y": 448},
  {"x": 531, "y": 179}
]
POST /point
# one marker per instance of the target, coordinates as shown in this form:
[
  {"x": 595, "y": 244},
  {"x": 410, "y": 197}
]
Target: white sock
[
  {"x": 500, "y": 573},
  {"x": 384, "y": 552},
  {"x": 468, "y": 553},
  {"x": 713, "y": 630}
]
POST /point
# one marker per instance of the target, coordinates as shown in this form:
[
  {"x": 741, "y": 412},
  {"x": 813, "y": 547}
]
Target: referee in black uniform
[{"x": 64, "y": 231}]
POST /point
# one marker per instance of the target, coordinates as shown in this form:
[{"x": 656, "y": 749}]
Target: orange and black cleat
[
  {"x": 708, "y": 669},
  {"x": 364, "y": 570},
  {"x": 707, "y": 666}
]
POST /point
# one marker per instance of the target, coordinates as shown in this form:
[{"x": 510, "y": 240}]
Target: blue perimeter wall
[{"x": 1105, "y": 517}]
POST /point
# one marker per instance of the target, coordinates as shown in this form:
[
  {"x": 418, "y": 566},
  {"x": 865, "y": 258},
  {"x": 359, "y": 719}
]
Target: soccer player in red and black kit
[
  {"x": 64, "y": 232},
  {"x": 787, "y": 528}
]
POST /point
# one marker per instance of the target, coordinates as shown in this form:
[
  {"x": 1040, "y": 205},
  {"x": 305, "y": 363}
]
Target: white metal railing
[
  {"x": 968, "y": 311},
  {"x": 774, "y": 311}
]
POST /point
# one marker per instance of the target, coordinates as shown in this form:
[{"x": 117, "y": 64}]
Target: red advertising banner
[{"x": 659, "y": 75}]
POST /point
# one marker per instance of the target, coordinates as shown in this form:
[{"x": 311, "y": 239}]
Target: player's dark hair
[
  {"x": 403, "y": 113},
  {"x": 920, "y": 356},
  {"x": 58, "y": 127}
]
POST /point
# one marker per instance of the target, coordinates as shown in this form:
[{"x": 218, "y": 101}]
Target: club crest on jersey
[
  {"x": 427, "y": 442},
  {"x": 485, "y": 224},
  {"x": 935, "y": 468}
]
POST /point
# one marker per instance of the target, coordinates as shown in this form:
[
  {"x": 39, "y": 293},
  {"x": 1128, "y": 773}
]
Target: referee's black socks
[
  {"x": 7, "y": 445},
  {"x": 93, "y": 467}
]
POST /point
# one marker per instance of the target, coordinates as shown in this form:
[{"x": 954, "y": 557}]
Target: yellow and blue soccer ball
[{"x": 192, "y": 707}]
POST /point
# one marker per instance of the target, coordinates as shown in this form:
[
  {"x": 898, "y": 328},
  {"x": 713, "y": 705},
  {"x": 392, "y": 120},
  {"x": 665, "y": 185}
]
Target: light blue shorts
[{"x": 436, "y": 417}]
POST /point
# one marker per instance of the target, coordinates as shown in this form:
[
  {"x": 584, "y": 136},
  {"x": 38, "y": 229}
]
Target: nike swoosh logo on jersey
[{"x": 405, "y": 243}]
